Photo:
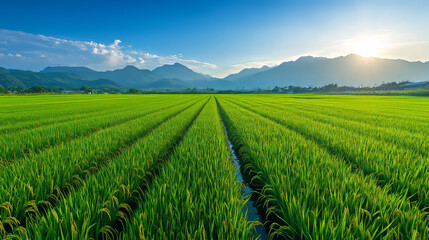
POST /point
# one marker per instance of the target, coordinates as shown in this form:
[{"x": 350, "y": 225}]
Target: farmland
[{"x": 162, "y": 167}]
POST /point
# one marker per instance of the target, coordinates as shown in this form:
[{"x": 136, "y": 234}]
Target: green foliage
[
  {"x": 158, "y": 166},
  {"x": 133, "y": 91}
]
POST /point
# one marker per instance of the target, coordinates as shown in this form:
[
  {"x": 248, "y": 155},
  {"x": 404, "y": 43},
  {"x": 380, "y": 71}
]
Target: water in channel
[{"x": 246, "y": 191}]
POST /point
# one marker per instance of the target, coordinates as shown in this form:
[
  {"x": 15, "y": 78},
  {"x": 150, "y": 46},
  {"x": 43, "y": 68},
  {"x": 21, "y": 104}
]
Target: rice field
[{"x": 164, "y": 167}]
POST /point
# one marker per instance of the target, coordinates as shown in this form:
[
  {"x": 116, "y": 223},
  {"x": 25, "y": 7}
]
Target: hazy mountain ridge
[
  {"x": 351, "y": 70},
  {"x": 245, "y": 72},
  {"x": 129, "y": 76},
  {"x": 10, "y": 78},
  {"x": 176, "y": 76},
  {"x": 178, "y": 71}
]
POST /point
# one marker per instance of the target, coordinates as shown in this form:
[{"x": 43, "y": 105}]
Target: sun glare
[{"x": 367, "y": 47}]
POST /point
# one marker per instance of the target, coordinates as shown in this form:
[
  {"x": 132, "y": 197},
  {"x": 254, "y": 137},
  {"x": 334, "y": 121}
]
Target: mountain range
[
  {"x": 10, "y": 78},
  {"x": 351, "y": 70}
]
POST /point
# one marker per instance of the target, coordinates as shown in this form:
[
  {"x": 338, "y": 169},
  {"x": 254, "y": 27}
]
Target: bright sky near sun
[{"x": 214, "y": 37}]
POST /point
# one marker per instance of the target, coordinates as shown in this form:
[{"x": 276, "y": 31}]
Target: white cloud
[
  {"x": 41, "y": 51},
  {"x": 14, "y": 55}
]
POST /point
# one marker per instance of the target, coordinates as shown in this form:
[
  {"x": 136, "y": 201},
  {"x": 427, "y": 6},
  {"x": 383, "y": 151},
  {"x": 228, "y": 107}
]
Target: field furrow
[{"x": 196, "y": 195}]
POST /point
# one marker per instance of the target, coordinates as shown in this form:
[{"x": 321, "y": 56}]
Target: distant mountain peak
[
  {"x": 246, "y": 72},
  {"x": 175, "y": 66},
  {"x": 309, "y": 58},
  {"x": 350, "y": 70},
  {"x": 179, "y": 71},
  {"x": 66, "y": 69},
  {"x": 305, "y": 57},
  {"x": 130, "y": 67},
  {"x": 355, "y": 56}
]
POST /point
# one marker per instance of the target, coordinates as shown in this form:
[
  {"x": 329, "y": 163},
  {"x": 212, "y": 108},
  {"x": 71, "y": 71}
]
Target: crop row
[
  {"x": 33, "y": 141},
  {"x": 196, "y": 195},
  {"x": 370, "y": 114},
  {"x": 38, "y": 182},
  {"x": 402, "y": 170},
  {"x": 414, "y": 142},
  {"x": 104, "y": 198},
  {"x": 21, "y": 108},
  {"x": 311, "y": 193},
  {"x": 159, "y": 167},
  {"x": 22, "y": 120}
]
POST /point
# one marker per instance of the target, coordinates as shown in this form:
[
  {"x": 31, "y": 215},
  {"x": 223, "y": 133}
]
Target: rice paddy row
[{"x": 159, "y": 166}]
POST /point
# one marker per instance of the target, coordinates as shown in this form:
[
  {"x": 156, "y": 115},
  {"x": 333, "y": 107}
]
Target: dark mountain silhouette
[
  {"x": 178, "y": 71},
  {"x": 351, "y": 70},
  {"x": 18, "y": 78}
]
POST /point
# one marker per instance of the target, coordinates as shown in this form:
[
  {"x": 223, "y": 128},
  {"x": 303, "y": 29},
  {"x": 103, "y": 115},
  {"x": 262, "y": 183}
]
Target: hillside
[
  {"x": 351, "y": 70},
  {"x": 178, "y": 71},
  {"x": 23, "y": 79}
]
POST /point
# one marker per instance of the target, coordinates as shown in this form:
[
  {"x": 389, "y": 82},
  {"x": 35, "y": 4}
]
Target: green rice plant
[
  {"x": 36, "y": 140},
  {"x": 22, "y": 119},
  {"x": 376, "y": 111},
  {"x": 102, "y": 198},
  {"x": 313, "y": 194},
  {"x": 414, "y": 142},
  {"x": 405, "y": 172},
  {"x": 15, "y": 109},
  {"x": 196, "y": 195},
  {"x": 38, "y": 182},
  {"x": 145, "y": 166}
]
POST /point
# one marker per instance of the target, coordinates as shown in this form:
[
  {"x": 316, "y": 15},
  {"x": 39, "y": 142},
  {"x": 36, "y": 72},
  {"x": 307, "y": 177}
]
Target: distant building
[
  {"x": 68, "y": 91},
  {"x": 415, "y": 84}
]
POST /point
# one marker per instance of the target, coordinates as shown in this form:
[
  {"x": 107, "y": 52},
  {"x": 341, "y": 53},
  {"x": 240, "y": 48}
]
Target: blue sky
[{"x": 215, "y": 37}]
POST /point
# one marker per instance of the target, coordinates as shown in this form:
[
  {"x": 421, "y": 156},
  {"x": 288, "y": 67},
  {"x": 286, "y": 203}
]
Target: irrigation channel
[{"x": 251, "y": 205}]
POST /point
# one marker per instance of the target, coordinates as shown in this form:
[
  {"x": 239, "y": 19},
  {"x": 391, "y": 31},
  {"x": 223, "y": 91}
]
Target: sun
[{"x": 367, "y": 47}]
